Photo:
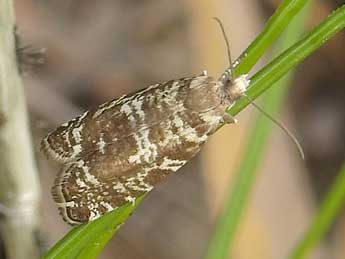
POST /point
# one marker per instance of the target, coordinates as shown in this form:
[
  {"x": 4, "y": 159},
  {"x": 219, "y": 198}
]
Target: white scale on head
[{"x": 241, "y": 84}]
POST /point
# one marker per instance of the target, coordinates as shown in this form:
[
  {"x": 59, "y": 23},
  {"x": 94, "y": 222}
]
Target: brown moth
[{"x": 122, "y": 149}]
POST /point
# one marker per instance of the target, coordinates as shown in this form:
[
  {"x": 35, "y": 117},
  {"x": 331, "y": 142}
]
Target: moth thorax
[{"x": 238, "y": 87}]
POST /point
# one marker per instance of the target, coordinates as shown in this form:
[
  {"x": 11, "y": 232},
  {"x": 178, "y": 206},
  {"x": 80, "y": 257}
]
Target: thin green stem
[
  {"x": 86, "y": 237},
  {"x": 221, "y": 243},
  {"x": 329, "y": 209},
  {"x": 275, "y": 25},
  {"x": 290, "y": 58}
]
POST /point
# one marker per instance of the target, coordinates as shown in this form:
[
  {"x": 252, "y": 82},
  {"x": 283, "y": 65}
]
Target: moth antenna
[
  {"x": 230, "y": 69},
  {"x": 226, "y": 40},
  {"x": 227, "y": 76},
  {"x": 280, "y": 125}
]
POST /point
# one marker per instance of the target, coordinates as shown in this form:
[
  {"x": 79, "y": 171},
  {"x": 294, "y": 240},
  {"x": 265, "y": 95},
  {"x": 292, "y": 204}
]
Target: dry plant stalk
[{"x": 19, "y": 184}]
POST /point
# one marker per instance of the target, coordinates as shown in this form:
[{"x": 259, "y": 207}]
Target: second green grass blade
[{"x": 329, "y": 209}]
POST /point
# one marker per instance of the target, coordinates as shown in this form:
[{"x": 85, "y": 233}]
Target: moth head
[
  {"x": 237, "y": 87},
  {"x": 233, "y": 88}
]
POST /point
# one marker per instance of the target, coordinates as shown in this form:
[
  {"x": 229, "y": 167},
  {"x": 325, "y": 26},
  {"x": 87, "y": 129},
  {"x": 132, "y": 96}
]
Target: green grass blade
[
  {"x": 329, "y": 209},
  {"x": 275, "y": 25},
  {"x": 96, "y": 247},
  {"x": 264, "y": 79},
  {"x": 225, "y": 231},
  {"x": 86, "y": 236}
]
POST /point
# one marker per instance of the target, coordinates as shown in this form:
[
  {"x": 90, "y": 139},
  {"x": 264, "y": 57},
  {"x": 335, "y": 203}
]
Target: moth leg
[{"x": 229, "y": 119}]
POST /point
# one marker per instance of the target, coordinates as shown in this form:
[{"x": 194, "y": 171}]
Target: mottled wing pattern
[
  {"x": 118, "y": 118},
  {"x": 101, "y": 182},
  {"x": 123, "y": 149}
]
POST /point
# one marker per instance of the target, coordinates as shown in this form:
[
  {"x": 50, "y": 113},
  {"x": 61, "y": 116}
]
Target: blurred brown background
[{"x": 97, "y": 51}]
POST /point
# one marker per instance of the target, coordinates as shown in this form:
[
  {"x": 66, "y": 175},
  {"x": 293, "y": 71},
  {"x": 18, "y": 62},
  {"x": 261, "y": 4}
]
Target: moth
[{"x": 125, "y": 147}]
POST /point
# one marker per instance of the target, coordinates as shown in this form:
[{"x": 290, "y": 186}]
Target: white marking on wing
[
  {"x": 76, "y": 150},
  {"x": 101, "y": 144},
  {"x": 145, "y": 149},
  {"x": 171, "y": 164},
  {"x": 76, "y": 132},
  {"x": 106, "y": 205},
  {"x": 137, "y": 105},
  {"x": 130, "y": 199}
]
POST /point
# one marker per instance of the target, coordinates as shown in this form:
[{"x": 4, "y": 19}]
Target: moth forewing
[
  {"x": 121, "y": 150},
  {"x": 119, "y": 118}
]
